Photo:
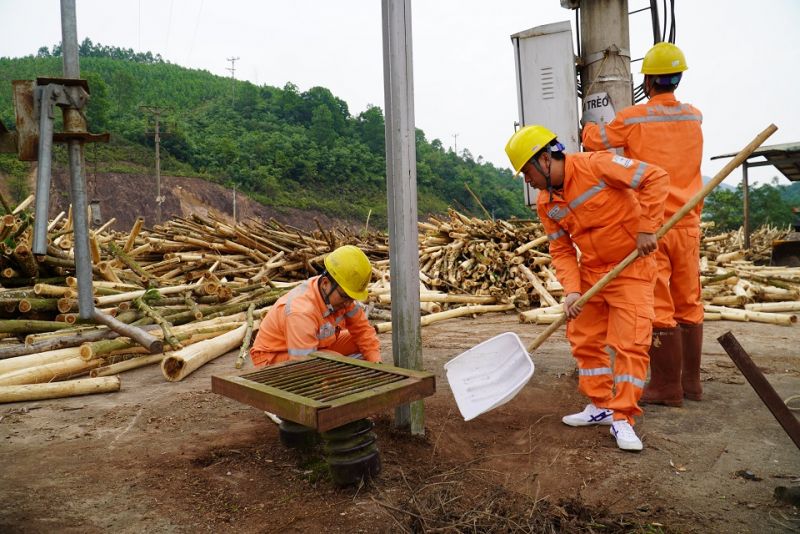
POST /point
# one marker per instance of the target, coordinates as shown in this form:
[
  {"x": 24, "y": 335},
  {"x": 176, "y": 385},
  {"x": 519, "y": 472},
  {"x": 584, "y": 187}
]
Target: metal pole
[
  {"x": 762, "y": 387},
  {"x": 80, "y": 222},
  {"x": 401, "y": 178},
  {"x": 746, "y": 206},
  {"x": 43, "y": 170},
  {"x": 605, "y": 46}
]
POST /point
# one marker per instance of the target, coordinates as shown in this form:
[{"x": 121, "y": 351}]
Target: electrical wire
[{"x": 668, "y": 33}]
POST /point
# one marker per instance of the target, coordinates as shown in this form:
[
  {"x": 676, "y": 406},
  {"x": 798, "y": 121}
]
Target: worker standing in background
[
  {"x": 322, "y": 314},
  {"x": 607, "y": 206},
  {"x": 667, "y": 133}
]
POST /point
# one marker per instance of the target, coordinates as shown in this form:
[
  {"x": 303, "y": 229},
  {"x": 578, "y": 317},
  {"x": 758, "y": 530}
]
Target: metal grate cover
[{"x": 323, "y": 391}]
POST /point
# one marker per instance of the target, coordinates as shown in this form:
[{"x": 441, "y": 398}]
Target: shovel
[
  {"x": 690, "y": 204},
  {"x": 493, "y": 372}
]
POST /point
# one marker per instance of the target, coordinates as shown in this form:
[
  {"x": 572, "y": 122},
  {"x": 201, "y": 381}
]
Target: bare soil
[
  {"x": 174, "y": 457},
  {"x": 128, "y": 196}
]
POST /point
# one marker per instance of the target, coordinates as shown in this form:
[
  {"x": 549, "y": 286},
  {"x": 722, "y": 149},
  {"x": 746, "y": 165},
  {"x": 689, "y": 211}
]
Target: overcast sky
[{"x": 743, "y": 56}]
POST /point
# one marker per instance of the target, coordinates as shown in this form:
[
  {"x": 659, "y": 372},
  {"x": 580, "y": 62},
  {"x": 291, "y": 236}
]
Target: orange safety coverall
[
  {"x": 605, "y": 201},
  {"x": 300, "y": 323},
  {"x": 666, "y": 133}
]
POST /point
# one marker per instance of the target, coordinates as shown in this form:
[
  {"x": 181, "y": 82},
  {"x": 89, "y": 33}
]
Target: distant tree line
[
  {"x": 89, "y": 49},
  {"x": 282, "y": 146},
  {"x": 769, "y": 204}
]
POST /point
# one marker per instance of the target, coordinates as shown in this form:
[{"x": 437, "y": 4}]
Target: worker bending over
[
  {"x": 607, "y": 206},
  {"x": 321, "y": 314},
  {"x": 667, "y": 133}
]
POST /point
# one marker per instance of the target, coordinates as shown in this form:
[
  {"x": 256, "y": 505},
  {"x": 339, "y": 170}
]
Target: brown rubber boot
[
  {"x": 692, "y": 338},
  {"x": 665, "y": 369}
]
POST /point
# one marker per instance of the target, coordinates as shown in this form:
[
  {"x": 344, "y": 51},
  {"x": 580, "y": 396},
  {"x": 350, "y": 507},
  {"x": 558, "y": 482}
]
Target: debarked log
[
  {"x": 55, "y": 390},
  {"x": 49, "y": 371},
  {"x": 181, "y": 363}
]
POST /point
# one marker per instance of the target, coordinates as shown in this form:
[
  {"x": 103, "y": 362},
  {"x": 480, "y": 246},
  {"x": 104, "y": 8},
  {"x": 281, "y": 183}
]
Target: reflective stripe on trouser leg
[
  {"x": 587, "y": 337},
  {"x": 685, "y": 281},
  {"x": 629, "y": 333}
]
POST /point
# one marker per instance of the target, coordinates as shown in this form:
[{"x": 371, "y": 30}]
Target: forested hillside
[{"x": 281, "y": 146}]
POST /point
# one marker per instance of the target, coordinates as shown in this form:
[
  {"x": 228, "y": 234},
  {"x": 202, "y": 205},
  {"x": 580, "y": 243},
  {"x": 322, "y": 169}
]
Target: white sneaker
[
  {"x": 591, "y": 415},
  {"x": 627, "y": 440}
]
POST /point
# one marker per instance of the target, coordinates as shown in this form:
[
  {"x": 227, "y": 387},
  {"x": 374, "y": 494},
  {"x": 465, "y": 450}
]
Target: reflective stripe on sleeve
[
  {"x": 597, "y": 371},
  {"x": 586, "y": 195},
  {"x": 300, "y": 352},
  {"x": 604, "y": 136},
  {"x": 352, "y": 313},
  {"x": 637, "y": 177},
  {"x": 628, "y": 378},
  {"x": 556, "y": 235}
]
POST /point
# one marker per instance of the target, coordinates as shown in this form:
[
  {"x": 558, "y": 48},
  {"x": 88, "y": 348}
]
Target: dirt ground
[{"x": 174, "y": 457}]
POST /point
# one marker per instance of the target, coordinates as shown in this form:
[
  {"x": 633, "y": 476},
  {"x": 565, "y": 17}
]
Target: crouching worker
[
  {"x": 606, "y": 206},
  {"x": 321, "y": 314}
]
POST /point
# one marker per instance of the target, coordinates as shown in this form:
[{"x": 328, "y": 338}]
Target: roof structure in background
[{"x": 785, "y": 158}]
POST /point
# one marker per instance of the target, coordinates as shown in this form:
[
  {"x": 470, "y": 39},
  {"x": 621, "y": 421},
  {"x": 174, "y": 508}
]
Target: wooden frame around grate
[{"x": 323, "y": 391}]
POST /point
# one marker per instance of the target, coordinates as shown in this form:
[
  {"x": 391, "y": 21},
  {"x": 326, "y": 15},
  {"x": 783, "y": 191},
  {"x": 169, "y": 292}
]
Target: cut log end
[{"x": 171, "y": 367}]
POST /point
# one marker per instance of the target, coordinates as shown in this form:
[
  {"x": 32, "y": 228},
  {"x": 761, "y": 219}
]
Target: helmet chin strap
[
  {"x": 546, "y": 174},
  {"x": 326, "y": 297}
]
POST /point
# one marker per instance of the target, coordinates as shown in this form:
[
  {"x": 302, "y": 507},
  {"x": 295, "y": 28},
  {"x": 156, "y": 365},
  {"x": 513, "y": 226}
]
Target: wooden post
[{"x": 401, "y": 178}]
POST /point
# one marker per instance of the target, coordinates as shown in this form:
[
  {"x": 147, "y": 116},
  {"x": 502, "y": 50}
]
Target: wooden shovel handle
[{"x": 689, "y": 206}]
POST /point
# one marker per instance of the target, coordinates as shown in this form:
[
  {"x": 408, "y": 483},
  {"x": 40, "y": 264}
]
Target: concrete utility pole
[
  {"x": 232, "y": 68},
  {"x": 605, "y": 51},
  {"x": 156, "y": 112},
  {"x": 455, "y": 143},
  {"x": 401, "y": 178}
]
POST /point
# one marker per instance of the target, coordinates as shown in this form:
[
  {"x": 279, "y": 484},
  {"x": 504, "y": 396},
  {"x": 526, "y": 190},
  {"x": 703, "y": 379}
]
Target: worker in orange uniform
[
  {"x": 321, "y": 314},
  {"x": 606, "y": 206},
  {"x": 667, "y": 133}
]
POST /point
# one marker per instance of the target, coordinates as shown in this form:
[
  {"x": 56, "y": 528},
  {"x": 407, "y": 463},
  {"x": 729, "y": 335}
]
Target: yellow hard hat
[
  {"x": 664, "y": 58},
  {"x": 526, "y": 142},
  {"x": 350, "y": 268}
]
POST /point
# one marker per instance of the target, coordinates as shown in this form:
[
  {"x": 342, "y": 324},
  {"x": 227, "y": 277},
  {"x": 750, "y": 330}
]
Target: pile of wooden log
[
  {"x": 737, "y": 285},
  {"x": 725, "y": 247},
  {"x": 507, "y": 260},
  {"x": 201, "y": 285}
]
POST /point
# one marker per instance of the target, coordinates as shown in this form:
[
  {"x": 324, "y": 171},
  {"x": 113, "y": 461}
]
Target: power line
[{"x": 194, "y": 35}]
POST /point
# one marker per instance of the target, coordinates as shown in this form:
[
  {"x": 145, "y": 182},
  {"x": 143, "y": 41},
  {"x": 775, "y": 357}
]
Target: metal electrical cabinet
[{"x": 547, "y": 84}]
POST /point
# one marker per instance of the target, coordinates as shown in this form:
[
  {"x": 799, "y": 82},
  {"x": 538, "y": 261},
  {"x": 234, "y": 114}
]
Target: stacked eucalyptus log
[
  {"x": 737, "y": 285},
  {"x": 202, "y": 284},
  {"x": 507, "y": 260},
  {"x": 724, "y": 247}
]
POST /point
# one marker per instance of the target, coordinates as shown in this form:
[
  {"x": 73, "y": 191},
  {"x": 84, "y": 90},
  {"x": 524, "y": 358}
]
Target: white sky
[{"x": 743, "y": 56}]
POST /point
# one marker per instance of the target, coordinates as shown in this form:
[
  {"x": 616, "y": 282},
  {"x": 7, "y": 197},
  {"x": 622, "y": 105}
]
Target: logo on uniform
[
  {"x": 620, "y": 160},
  {"x": 556, "y": 213}
]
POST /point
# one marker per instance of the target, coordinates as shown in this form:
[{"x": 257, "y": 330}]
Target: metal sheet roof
[{"x": 785, "y": 158}]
